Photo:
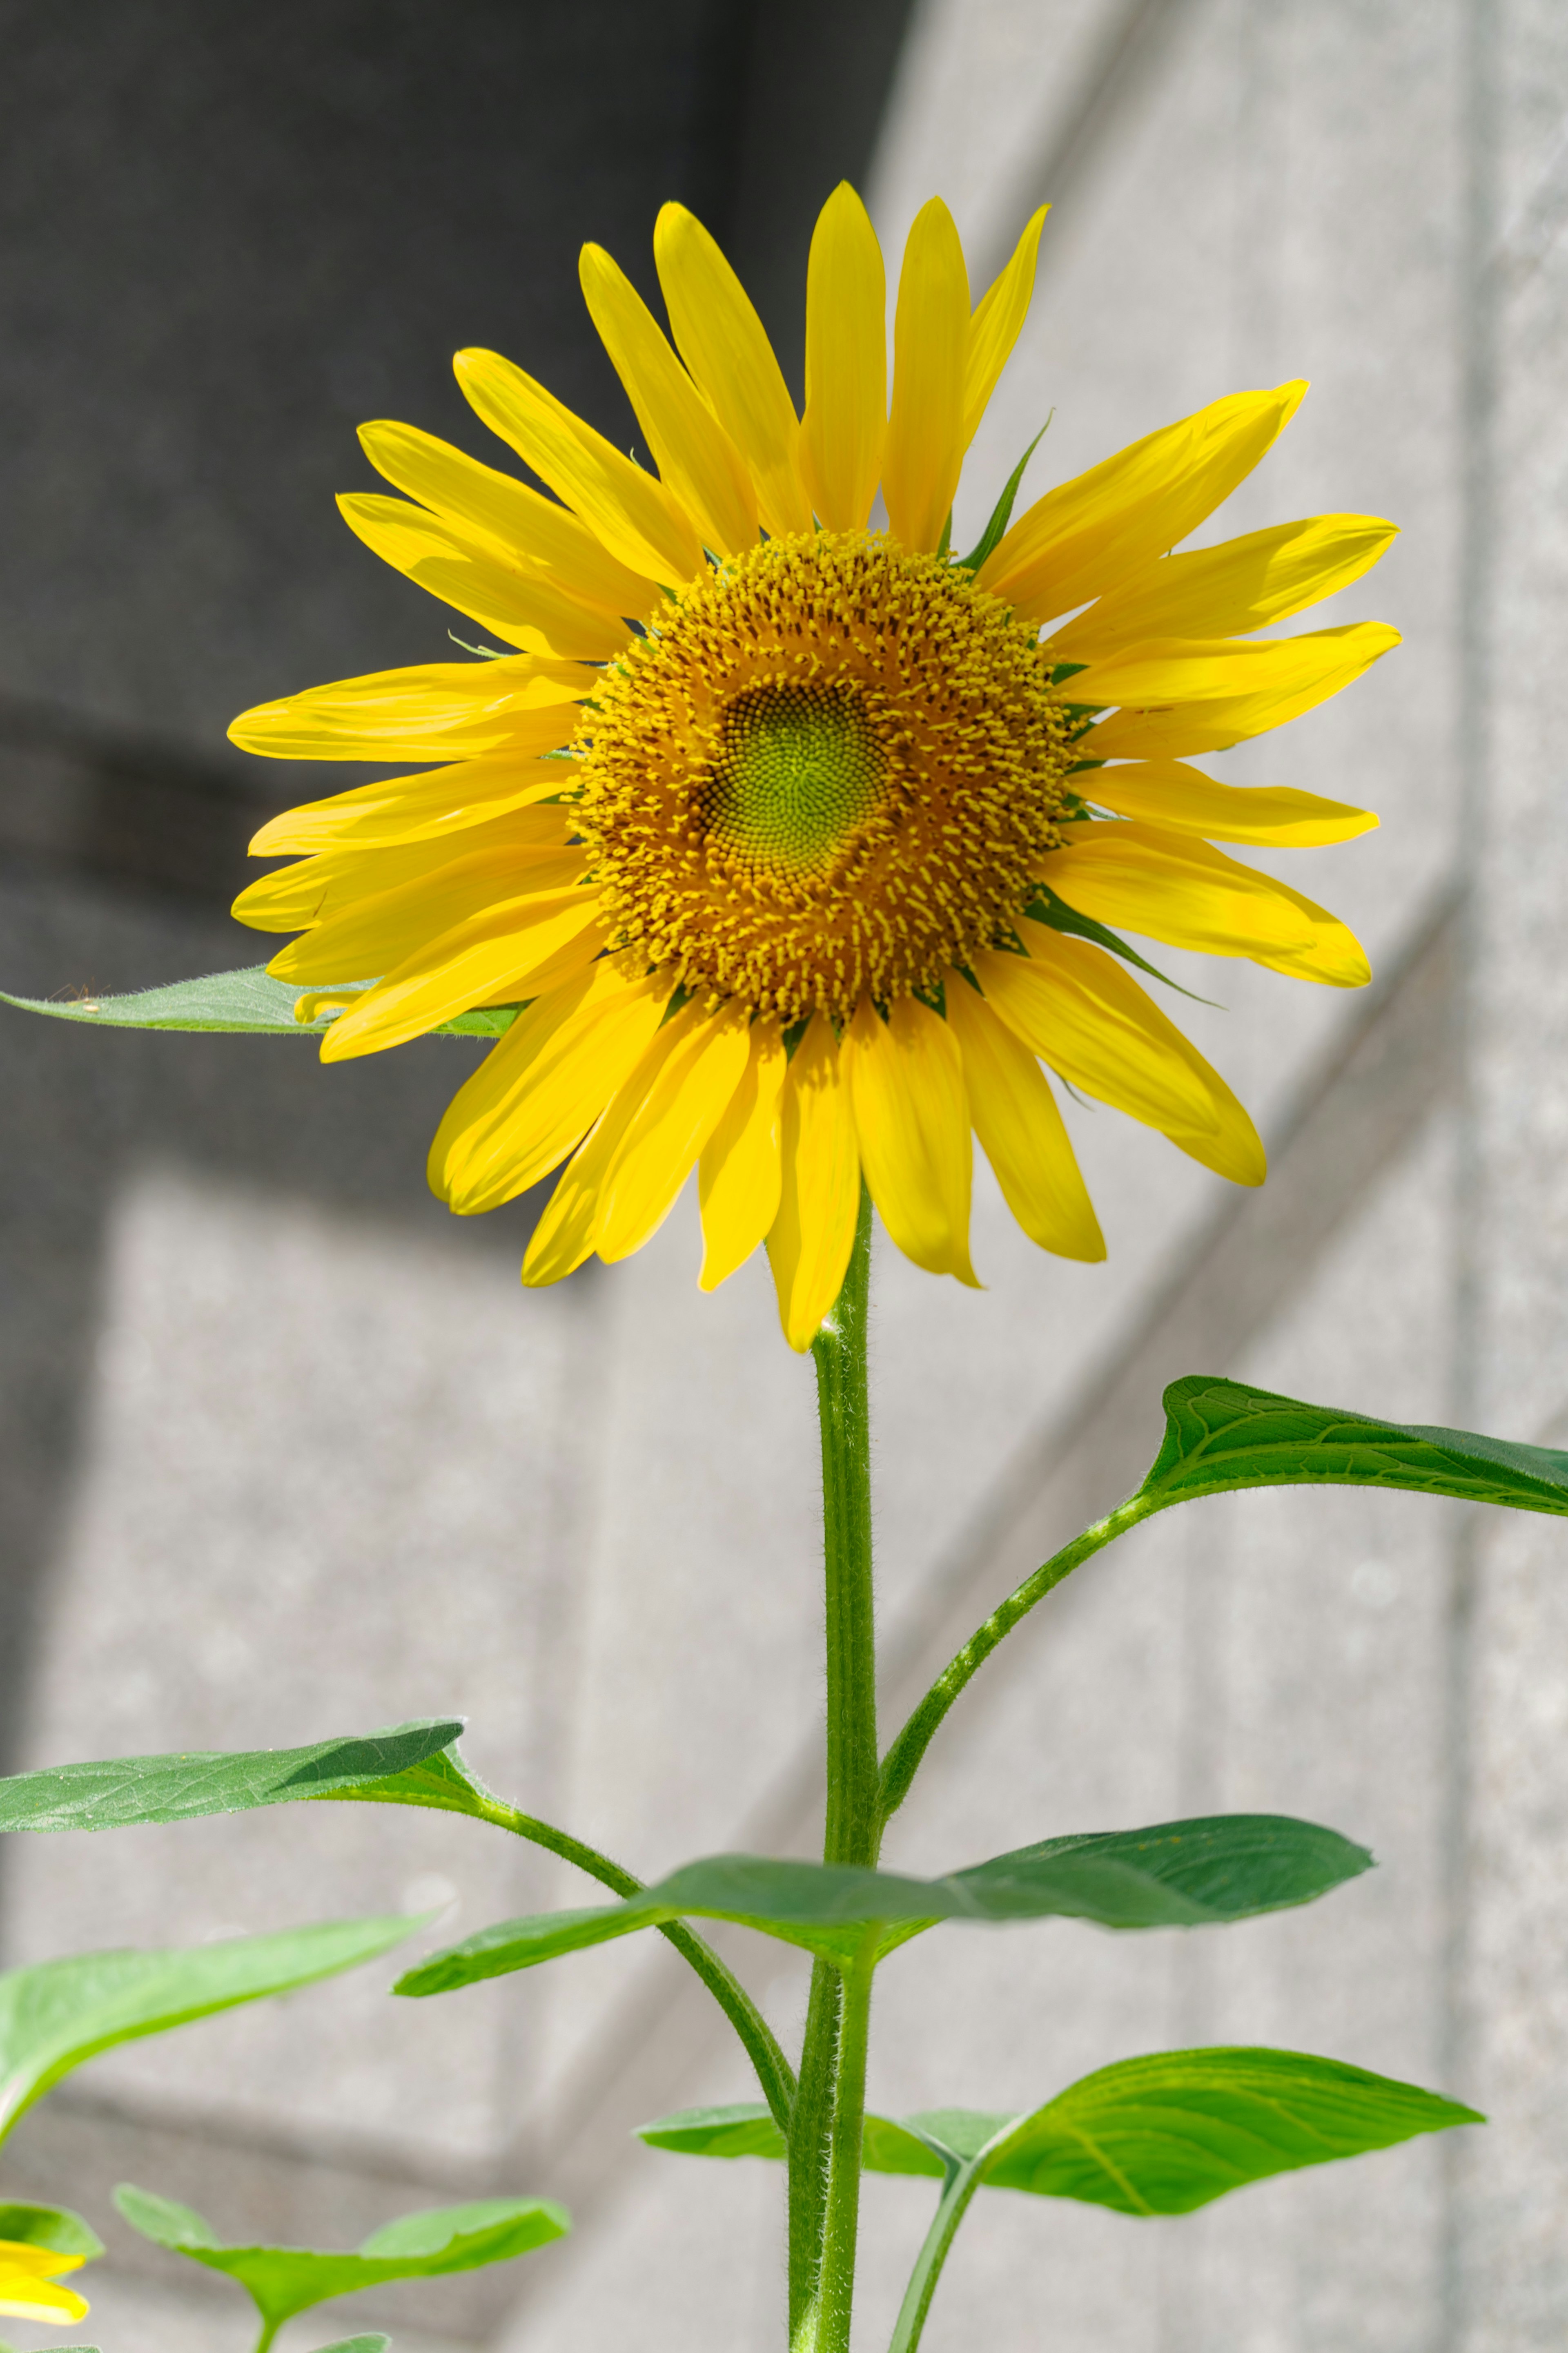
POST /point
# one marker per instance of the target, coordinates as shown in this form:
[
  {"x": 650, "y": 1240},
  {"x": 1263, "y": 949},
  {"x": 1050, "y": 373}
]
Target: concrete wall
[{"x": 330, "y": 1468}]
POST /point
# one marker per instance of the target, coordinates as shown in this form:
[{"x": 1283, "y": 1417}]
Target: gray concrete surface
[{"x": 294, "y": 1454}]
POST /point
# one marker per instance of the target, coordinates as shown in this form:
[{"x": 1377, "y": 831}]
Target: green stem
[
  {"x": 269, "y": 2331},
  {"x": 774, "y": 2072},
  {"x": 842, "y": 2221},
  {"x": 903, "y": 1759},
  {"x": 851, "y": 1832},
  {"x": 960, "y": 2187}
]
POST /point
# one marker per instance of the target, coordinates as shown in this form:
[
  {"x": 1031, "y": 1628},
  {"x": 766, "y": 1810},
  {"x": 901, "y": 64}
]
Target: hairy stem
[
  {"x": 903, "y": 1759},
  {"x": 851, "y": 1832},
  {"x": 842, "y": 2221}
]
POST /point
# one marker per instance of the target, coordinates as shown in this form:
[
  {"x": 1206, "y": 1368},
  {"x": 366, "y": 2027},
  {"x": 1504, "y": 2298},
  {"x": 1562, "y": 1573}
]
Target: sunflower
[
  {"x": 29, "y": 2289},
  {"x": 791, "y": 846}
]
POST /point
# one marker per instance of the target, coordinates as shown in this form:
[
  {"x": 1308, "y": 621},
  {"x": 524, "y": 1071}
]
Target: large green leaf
[
  {"x": 248, "y": 1002},
  {"x": 1221, "y": 1435},
  {"x": 26, "y": 2225},
  {"x": 1174, "y": 1874},
  {"x": 126, "y": 1789},
  {"x": 57, "y": 2014},
  {"x": 1156, "y": 2136},
  {"x": 282, "y": 2281}
]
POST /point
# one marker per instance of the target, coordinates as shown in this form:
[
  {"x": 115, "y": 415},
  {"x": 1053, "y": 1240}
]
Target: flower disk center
[
  {"x": 830, "y": 768},
  {"x": 799, "y": 770}
]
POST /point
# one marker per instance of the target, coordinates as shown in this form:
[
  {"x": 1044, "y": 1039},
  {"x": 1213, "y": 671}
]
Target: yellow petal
[
  {"x": 523, "y": 608},
  {"x": 1089, "y": 535},
  {"x": 911, "y": 1122},
  {"x": 810, "y": 1241},
  {"x": 695, "y": 457},
  {"x": 433, "y": 711},
  {"x": 627, "y": 510},
  {"x": 540, "y": 1089},
  {"x": 658, "y": 1151},
  {"x": 40, "y": 2299},
  {"x": 316, "y": 887},
  {"x": 522, "y": 949},
  {"x": 1184, "y": 800},
  {"x": 998, "y": 320},
  {"x": 377, "y": 929},
  {"x": 1174, "y": 888},
  {"x": 565, "y": 1232},
  {"x": 509, "y": 511},
  {"x": 845, "y": 364},
  {"x": 1222, "y": 592},
  {"x": 1077, "y": 1008},
  {"x": 738, "y": 1175},
  {"x": 1021, "y": 1131},
  {"x": 451, "y": 800},
  {"x": 931, "y": 340},
  {"x": 720, "y": 336},
  {"x": 33, "y": 2262},
  {"x": 1179, "y": 696}
]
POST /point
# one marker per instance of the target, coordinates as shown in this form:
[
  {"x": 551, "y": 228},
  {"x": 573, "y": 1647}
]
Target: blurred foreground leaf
[
  {"x": 283, "y": 2281},
  {"x": 57, "y": 2014}
]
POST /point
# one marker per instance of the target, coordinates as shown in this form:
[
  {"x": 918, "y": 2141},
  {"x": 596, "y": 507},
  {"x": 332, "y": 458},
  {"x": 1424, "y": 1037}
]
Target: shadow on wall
[{"x": 227, "y": 239}]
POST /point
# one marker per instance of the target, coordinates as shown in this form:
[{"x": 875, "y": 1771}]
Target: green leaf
[
  {"x": 358, "y": 2344},
  {"x": 749, "y": 2131},
  {"x": 249, "y": 1002},
  {"x": 1002, "y": 512},
  {"x": 441, "y": 1780},
  {"x": 283, "y": 2281},
  {"x": 127, "y": 1789},
  {"x": 1221, "y": 1435},
  {"x": 26, "y": 2225},
  {"x": 57, "y": 2014},
  {"x": 1175, "y": 1874},
  {"x": 1172, "y": 2132}
]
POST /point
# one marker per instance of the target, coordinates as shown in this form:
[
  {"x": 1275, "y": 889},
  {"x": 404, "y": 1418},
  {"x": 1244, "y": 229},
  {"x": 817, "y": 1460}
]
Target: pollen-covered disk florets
[{"x": 828, "y": 770}]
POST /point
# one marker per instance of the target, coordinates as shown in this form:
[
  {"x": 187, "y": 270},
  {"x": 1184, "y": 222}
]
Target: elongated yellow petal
[
  {"x": 449, "y": 801},
  {"x": 739, "y": 1175},
  {"x": 509, "y": 511},
  {"x": 1182, "y": 697},
  {"x": 845, "y": 417},
  {"x": 1172, "y": 888},
  {"x": 998, "y": 320},
  {"x": 1077, "y": 1008},
  {"x": 433, "y": 711},
  {"x": 326, "y": 885},
  {"x": 1184, "y": 800},
  {"x": 911, "y": 1122},
  {"x": 376, "y": 929},
  {"x": 523, "y": 608},
  {"x": 1089, "y": 535},
  {"x": 1225, "y": 591},
  {"x": 627, "y": 510},
  {"x": 1163, "y": 671},
  {"x": 810, "y": 1241},
  {"x": 931, "y": 341},
  {"x": 1021, "y": 1130},
  {"x": 28, "y": 2296},
  {"x": 540, "y": 1089},
  {"x": 565, "y": 1232},
  {"x": 695, "y": 457},
  {"x": 664, "y": 1141},
  {"x": 720, "y": 336},
  {"x": 518, "y": 950}
]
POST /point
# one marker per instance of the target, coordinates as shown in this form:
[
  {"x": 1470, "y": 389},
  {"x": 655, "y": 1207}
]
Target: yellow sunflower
[
  {"x": 799, "y": 842},
  {"x": 27, "y": 2283}
]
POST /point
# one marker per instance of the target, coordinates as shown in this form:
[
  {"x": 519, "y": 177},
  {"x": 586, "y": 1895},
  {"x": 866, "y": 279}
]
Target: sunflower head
[{"x": 785, "y": 845}]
